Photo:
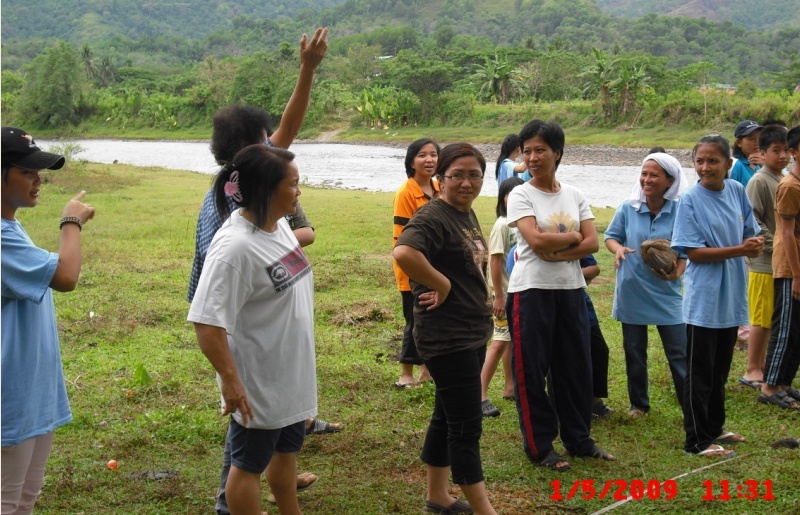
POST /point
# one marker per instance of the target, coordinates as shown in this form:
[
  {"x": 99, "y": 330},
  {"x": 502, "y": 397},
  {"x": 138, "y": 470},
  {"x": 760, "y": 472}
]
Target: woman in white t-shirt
[
  {"x": 546, "y": 308},
  {"x": 253, "y": 313}
]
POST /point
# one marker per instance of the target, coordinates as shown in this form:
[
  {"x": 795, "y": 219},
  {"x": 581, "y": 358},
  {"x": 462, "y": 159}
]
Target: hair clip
[{"x": 232, "y": 187}]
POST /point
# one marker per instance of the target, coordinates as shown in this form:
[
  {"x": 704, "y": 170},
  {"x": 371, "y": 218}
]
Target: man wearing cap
[
  {"x": 746, "y": 157},
  {"x": 34, "y": 397}
]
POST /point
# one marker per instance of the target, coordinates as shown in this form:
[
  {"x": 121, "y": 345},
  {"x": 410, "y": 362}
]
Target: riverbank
[{"x": 598, "y": 155}]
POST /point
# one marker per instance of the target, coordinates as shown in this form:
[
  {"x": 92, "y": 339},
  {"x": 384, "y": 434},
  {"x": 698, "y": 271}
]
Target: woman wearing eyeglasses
[
  {"x": 443, "y": 251},
  {"x": 546, "y": 308}
]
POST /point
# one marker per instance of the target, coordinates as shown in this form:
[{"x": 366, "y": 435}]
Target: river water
[{"x": 344, "y": 166}]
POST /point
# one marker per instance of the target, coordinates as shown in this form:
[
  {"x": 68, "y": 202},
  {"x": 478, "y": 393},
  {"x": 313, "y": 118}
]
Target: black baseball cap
[
  {"x": 20, "y": 150},
  {"x": 746, "y": 127}
]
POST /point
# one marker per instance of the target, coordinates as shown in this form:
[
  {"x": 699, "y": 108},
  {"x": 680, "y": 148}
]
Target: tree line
[{"x": 391, "y": 76}]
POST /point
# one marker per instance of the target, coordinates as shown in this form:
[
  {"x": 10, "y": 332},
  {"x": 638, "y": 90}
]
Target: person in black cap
[
  {"x": 747, "y": 159},
  {"x": 34, "y": 397}
]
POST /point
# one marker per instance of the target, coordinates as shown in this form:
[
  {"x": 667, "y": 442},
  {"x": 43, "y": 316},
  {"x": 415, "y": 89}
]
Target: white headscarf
[{"x": 672, "y": 167}]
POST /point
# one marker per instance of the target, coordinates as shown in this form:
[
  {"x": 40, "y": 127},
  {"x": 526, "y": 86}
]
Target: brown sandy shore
[{"x": 599, "y": 155}]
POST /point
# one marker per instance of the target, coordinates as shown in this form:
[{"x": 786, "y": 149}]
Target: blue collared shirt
[{"x": 640, "y": 297}]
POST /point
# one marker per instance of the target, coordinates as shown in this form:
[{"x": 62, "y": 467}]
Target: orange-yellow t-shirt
[{"x": 408, "y": 199}]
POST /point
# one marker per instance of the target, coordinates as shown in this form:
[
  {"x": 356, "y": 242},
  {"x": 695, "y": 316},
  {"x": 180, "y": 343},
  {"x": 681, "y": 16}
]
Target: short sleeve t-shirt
[
  {"x": 560, "y": 212},
  {"x": 501, "y": 239},
  {"x": 259, "y": 287},
  {"x": 640, "y": 297},
  {"x": 452, "y": 241},
  {"x": 34, "y": 395},
  {"x": 787, "y": 205},
  {"x": 715, "y": 293},
  {"x": 407, "y": 201}
]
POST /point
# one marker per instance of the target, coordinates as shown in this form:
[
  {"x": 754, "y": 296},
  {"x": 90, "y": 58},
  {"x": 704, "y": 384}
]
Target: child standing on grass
[
  {"x": 783, "y": 353},
  {"x": 501, "y": 239},
  {"x": 34, "y": 397},
  {"x": 716, "y": 229},
  {"x": 761, "y": 192}
]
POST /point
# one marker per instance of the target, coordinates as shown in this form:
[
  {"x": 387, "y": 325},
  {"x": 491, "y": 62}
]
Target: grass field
[{"x": 143, "y": 394}]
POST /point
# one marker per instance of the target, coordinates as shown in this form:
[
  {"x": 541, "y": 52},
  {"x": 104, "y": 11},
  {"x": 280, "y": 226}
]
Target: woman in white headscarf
[{"x": 643, "y": 296}]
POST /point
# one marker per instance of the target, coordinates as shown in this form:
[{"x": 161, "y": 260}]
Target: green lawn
[{"x": 128, "y": 316}]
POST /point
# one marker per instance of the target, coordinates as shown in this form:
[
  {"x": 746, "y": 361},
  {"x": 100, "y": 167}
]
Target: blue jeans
[{"x": 634, "y": 342}]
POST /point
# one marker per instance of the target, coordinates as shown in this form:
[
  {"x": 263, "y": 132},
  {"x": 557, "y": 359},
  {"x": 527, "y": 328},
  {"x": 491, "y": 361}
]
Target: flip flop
[
  {"x": 714, "y": 451},
  {"x": 320, "y": 427},
  {"x": 457, "y": 507},
  {"x": 271, "y": 498},
  {"x": 729, "y": 437},
  {"x": 596, "y": 453},
  {"x": 755, "y": 384},
  {"x": 406, "y": 386}
]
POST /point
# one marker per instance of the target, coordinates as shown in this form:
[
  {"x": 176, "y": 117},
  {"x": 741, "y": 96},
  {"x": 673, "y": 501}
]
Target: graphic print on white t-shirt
[{"x": 288, "y": 270}]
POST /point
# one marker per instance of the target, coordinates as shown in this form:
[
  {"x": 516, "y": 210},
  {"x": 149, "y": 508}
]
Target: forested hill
[
  {"x": 180, "y": 33},
  {"x": 88, "y": 21},
  {"x": 747, "y": 13}
]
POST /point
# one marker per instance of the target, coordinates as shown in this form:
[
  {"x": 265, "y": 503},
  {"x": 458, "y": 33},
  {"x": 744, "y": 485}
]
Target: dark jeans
[
  {"x": 599, "y": 351},
  {"x": 408, "y": 352},
  {"x": 454, "y": 432},
  {"x": 634, "y": 341},
  {"x": 710, "y": 352},
  {"x": 222, "y": 503}
]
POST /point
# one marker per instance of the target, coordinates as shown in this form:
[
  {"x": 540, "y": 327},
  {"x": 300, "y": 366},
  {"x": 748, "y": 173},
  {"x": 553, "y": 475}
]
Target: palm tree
[
  {"x": 600, "y": 74},
  {"x": 631, "y": 81},
  {"x": 88, "y": 62},
  {"x": 498, "y": 79}
]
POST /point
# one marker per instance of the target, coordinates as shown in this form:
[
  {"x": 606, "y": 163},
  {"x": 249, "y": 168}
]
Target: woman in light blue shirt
[{"x": 642, "y": 297}]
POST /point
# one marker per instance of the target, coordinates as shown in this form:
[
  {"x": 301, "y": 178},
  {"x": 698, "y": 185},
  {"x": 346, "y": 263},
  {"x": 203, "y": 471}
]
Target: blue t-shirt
[
  {"x": 640, "y": 297},
  {"x": 715, "y": 294},
  {"x": 34, "y": 396},
  {"x": 741, "y": 171},
  {"x": 507, "y": 171},
  {"x": 593, "y": 321}
]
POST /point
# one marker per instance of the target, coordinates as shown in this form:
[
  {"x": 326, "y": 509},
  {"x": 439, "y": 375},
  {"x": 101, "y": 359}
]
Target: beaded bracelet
[{"x": 70, "y": 220}]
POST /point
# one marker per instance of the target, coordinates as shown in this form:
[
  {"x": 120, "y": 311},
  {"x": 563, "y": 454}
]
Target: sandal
[
  {"x": 729, "y": 437},
  {"x": 780, "y": 399},
  {"x": 306, "y": 478},
  {"x": 754, "y": 384},
  {"x": 714, "y": 451},
  {"x": 457, "y": 507},
  {"x": 554, "y": 462},
  {"x": 320, "y": 427},
  {"x": 793, "y": 393},
  {"x": 596, "y": 453}
]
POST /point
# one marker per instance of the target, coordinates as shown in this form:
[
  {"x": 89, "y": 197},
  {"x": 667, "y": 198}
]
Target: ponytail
[{"x": 510, "y": 143}]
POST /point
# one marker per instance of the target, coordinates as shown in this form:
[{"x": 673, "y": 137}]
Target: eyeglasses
[{"x": 460, "y": 178}]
